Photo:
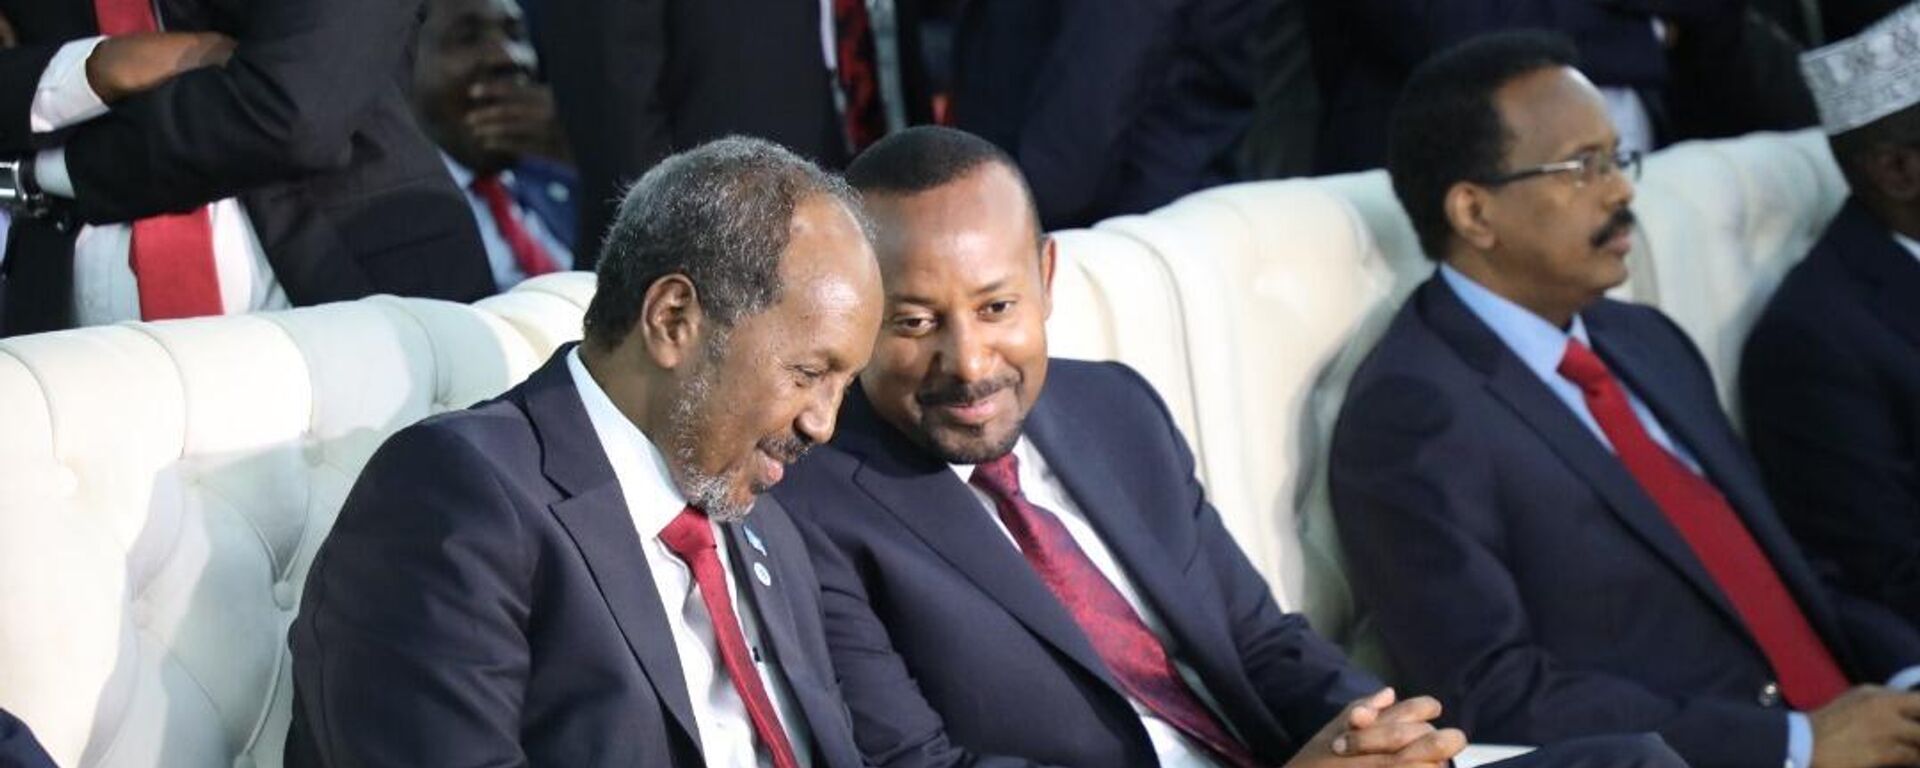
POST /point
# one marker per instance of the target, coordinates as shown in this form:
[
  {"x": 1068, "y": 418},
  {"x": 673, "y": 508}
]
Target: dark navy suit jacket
[
  {"x": 1365, "y": 49},
  {"x": 18, "y": 748},
  {"x": 484, "y": 599},
  {"x": 1109, "y": 107},
  {"x": 551, "y": 191},
  {"x": 1830, "y": 388},
  {"x": 951, "y": 650},
  {"x": 1518, "y": 572}
]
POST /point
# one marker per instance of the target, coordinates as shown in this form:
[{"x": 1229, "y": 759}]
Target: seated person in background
[
  {"x": 474, "y": 92},
  {"x": 1830, "y": 384},
  {"x": 169, "y": 180},
  {"x": 1555, "y": 526},
  {"x": 567, "y": 575},
  {"x": 1018, "y": 575}
]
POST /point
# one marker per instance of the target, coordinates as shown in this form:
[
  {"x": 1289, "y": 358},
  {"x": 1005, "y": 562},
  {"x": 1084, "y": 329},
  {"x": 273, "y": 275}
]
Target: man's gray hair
[{"x": 719, "y": 214}]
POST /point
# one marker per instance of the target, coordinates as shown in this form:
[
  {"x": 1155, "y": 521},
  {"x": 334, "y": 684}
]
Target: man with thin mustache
[
  {"x": 1555, "y": 527},
  {"x": 1017, "y": 567},
  {"x": 567, "y": 575}
]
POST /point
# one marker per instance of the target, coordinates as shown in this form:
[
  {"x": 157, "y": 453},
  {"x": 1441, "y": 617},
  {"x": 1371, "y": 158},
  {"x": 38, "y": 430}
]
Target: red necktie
[
  {"x": 1809, "y": 676},
  {"x": 172, "y": 254},
  {"x": 691, "y": 537},
  {"x": 859, "y": 83},
  {"x": 527, "y": 252},
  {"x": 1131, "y": 651}
]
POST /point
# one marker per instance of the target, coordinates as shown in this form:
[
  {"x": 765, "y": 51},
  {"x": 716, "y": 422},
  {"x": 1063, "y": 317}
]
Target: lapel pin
[
  {"x": 760, "y": 572},
  {"x": 754, "y": 539}
]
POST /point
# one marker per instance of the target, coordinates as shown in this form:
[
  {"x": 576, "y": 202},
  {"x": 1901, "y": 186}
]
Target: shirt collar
[
  {"x": 463, "y": 176},
  {"x": 637, "y": 462},
  {"x": 1538, "y": 343},
  {"x": 1912, "y": 245}
]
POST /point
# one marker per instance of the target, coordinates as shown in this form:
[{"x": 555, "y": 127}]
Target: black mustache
[
  {"x": 1621, "y": 221},
  {"x": 786, "y": 450},
  {"x": 962, "y": 392}
]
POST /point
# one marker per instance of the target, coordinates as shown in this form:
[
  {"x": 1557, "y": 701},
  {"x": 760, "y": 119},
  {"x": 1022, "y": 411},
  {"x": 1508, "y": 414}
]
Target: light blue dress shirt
[{"x": 1540, "y": 345}]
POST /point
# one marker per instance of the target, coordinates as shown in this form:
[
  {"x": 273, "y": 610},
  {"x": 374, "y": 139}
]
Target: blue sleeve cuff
[
  {"x": 1799, "y": 740},
  {"x": 1907, "y": 680}
]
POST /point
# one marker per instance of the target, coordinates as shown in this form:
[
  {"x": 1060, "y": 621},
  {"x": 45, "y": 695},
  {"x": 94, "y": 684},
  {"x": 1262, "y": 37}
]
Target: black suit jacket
[
  {"x": 484, "y": 599},
  {"x": 637, "y": 80},
  {"x": 308, "y": 125},
  {"x": 18, "y": 748},
  {"x": 1365, "y": 49},
  {"x": 1109, "y": 107},
  {"x": 951, "y": 650},
  {"x": 1830, "y": 387},
  {"x": 1517, "y": 570}
]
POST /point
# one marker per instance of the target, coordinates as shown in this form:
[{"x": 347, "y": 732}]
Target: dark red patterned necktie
[
  {"x": 1809, "y": 676},
  {"x": 171, "y": 254},
  {"x": 691, "y": 538},
  {"x": 859, "y": 81},
  {"x": 1131, "y": 651},
  {"x": 532, "y": 259}
]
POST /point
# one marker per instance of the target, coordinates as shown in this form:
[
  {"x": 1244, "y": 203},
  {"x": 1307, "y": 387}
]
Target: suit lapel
[
  {"x": 930, "y": 500},
  {"x": 1514, "y": 384},
  {"x": 808, "y": 685},
  {"x": 1720, "y": 460},
  {"x": 1869, "y": 252},
  {"x": 1126, "y": 530},
  {"x": 595, "y": 514}
]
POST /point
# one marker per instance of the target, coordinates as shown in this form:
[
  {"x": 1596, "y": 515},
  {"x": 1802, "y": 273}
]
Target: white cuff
[
  {"x": 1799, "y": 740},
  {"x": 64, "y": 97},
  {"x": 1906, "y": 680},
  {"x": 50, "y": 171}
]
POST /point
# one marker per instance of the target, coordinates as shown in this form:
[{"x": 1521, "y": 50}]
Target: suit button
[{"x": 1770, "y": 694}]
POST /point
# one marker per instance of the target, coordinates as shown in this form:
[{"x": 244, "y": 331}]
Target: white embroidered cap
[{"x": 1868, "y": 76}]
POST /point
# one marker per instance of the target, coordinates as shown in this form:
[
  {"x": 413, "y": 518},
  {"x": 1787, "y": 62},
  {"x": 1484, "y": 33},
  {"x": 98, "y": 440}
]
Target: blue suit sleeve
[
  {"x": 893, "y": 724},
  {"x": 1303, "y": 679}
]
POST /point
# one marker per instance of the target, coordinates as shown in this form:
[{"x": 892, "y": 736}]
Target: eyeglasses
[{"x": 1586, "y": 169}]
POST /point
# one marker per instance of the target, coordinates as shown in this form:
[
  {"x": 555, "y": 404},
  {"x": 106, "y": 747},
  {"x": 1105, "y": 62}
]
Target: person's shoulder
[
  {"x": 492, "y": 433},
  {"x": 823, "y": 474}
]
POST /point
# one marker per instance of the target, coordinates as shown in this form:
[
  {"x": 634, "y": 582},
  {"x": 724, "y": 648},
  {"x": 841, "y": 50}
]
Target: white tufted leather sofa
[{"x": 163, "y": 486}]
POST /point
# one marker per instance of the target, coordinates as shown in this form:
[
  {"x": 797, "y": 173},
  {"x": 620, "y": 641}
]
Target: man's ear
[
  {"x": 1047, "y": 260},
  {"x": 1468, "y": 211},
  {"x": 671, "y": 321}
]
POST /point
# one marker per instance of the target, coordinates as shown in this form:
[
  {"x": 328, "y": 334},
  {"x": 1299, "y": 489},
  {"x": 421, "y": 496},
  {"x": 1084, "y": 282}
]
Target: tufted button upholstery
[{"x": 163, "y": 486}]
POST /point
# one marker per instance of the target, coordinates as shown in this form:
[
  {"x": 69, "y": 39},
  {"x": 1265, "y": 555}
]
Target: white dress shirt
[
  {"x": 506, "y": 271},
  {"x": 1043, "y": 488},
  {"x": 104, "y": 289},
  {"x": 1912, "y": 245},
  {"x": 726, "y": 734}
]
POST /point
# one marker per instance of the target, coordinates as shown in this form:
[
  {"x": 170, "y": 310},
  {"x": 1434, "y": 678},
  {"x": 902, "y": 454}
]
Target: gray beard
[{"x": 708, "y": 492}]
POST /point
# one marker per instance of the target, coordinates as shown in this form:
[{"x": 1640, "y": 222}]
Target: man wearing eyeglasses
[{"x": 1556, "y": 529}]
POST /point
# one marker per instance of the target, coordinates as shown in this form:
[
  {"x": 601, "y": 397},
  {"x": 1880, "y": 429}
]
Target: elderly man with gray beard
[{"x": 567, "y": 574}]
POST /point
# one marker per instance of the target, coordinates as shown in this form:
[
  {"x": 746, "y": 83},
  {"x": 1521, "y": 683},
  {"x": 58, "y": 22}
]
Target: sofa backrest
[{"x": 163, "y": 486}]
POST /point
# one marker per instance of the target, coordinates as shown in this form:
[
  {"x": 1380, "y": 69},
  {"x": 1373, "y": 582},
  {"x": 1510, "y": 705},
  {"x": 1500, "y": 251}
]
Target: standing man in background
[
  {"x": 1109, "y": 108},
  {"x": 214, "y": 156},
  {"x": 637, "y": 80}
]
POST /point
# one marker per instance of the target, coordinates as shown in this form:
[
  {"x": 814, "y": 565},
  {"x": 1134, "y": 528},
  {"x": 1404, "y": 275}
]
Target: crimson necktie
[
  {"x": 532, "y": 259},
  {"x": 859, "y": 82},
  {"x": 1809, "y": 676},
  {"x": 690, "y": 537},
  {"x": 171, "y": 254},
  {"x": 1131, "y": 651}
]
